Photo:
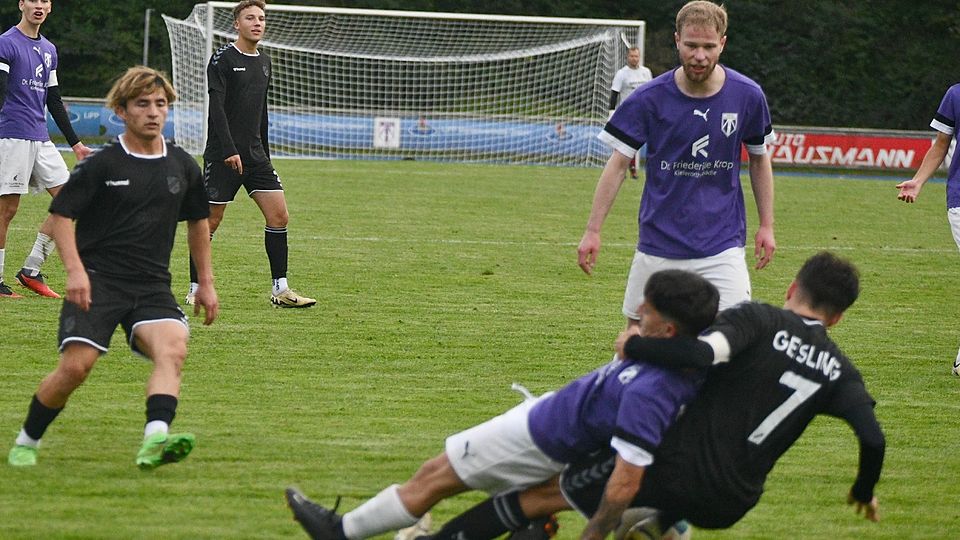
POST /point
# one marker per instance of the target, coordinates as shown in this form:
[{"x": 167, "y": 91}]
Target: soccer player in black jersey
[
  {"x": 238, "y": 151},
  {"x": 126, "y": 201},
  {"x": 773, "y": 370}
]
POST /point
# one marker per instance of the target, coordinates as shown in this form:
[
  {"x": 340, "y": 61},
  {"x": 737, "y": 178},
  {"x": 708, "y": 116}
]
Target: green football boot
[
  {"x": 22, "y": 456},
  {"x": 162, "y": 448}
]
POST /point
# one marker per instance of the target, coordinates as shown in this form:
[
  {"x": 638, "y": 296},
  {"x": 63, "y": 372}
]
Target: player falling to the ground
[
  {"x": 238, "y": 152},
  {"x": 624, "y": 404},
  {"x": 126, "y": 201},
  {"x": 713, "y": 462},
  {"x": 28, "y": 86}
]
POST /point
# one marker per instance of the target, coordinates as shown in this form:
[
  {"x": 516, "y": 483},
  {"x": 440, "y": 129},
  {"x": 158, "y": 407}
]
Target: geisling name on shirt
[{"x": 807, "y": 354}]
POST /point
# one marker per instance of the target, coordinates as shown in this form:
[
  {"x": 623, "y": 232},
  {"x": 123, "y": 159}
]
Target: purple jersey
[
  {"x": 625, "y": 404},
  {"x": 692, "y": 204},
  {"x": 31, "y": 66},
  {"x": 946, "y": 122}
]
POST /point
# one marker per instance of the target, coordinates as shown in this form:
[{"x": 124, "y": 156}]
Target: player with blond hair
[{"x": 126, "y": 201}]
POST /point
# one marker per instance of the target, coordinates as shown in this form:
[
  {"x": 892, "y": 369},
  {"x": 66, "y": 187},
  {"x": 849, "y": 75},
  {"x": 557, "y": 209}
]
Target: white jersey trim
[
  {"x": 761, "y": 149},
  {"x": 721, "y": 347},
  {"x": 142, "y": 156},
  {"x": 631, "y": 453},
  {"x": 941, "y": 127},
  {"x": 52, "y": 81},
  {"x": 4, "y": 67},
  {"x": 616, "y": 144},
  {"x": 234, "y": 45}
]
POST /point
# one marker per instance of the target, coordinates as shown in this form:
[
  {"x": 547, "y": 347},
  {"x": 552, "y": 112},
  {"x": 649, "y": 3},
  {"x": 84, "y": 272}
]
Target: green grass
[{"x": 438, "y": 286}]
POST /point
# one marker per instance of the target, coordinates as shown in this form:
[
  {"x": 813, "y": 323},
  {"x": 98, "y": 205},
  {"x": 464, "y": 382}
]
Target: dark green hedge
[{"x": 876, "y": 64}]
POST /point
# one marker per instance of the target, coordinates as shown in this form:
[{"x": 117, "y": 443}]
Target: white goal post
[{"x": 376, "y": 84}]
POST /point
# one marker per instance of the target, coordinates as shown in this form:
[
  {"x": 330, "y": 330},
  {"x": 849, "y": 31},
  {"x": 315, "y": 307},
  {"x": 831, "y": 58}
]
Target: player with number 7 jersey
[{"x": 774, "y": 370}]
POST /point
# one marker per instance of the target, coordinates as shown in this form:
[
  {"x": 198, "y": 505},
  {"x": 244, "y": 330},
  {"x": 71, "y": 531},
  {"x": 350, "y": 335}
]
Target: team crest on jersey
[
  {"x": 728, "y": 123},
  {"x": 47, "y": 59},
  {"x": 628, "y": 374},
  {"x": 266, "y": 70},
  {"x": 174, "y": 184}
]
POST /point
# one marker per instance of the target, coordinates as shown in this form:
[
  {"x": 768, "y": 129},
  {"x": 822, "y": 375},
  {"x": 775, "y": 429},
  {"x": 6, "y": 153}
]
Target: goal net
[{"x": 373, "y": 84}]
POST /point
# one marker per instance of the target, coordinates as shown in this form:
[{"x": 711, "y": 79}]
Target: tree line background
[{"x": 864, "y": 64}]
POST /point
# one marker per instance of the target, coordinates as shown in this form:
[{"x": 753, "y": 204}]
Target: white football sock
[
  {"x": 3, "y": 252},
  {"x": 42, "y": 247},
  {"x": 25, "y": 440},
  {"x": 280, "y": 285},
  {"x": 383, "y": 513},
  {"x": 156, "y": 426}
]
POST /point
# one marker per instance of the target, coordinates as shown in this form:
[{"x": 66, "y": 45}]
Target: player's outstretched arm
[
  {"x": 607, "y": 188},
  {"x": 198, "y": 237},
  {"x": 78, "y": 283},
  {"x": 872, "y": 449},
  {"x": 761, "y": 181},
  {"x": 622, "y": 487},
  {"x": 910, "y": 190}
]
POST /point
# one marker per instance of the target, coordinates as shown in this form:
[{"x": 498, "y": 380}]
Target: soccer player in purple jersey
[
  {"x": 623, "y": 405},
  {"x": 774, "y": 370},
  {"x": 945, "y": 122},
  {"x": 694, "y": 121},
  {"x": 28, "y": 86}
]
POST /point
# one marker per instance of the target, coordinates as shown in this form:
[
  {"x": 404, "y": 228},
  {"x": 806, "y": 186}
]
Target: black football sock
[
  {"x": 161, "y": 407},
  {"x": 487, "y": 520},
  {"x": 39, "y": 418},
  {"x": 275, "y": 242}
]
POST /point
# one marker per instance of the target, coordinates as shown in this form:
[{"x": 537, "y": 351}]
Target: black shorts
[
  {"x": 117, "y": 301},
  {"x": 223, "y": 183},
  {"x": 663, "y": 488}
]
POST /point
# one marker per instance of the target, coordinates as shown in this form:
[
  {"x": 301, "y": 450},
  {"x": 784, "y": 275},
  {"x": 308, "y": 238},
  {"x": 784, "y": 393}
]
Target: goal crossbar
[{"x": 387, "y": 84}]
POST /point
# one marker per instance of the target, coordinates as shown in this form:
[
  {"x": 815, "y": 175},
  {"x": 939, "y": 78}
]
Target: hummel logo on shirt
[
  {"x": 239, "y": 69},
  {"x": 114, "y": 183}
]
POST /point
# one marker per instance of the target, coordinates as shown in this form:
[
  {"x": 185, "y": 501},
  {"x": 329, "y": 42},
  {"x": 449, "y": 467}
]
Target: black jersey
[
  {"x": 127, "y": 207},
  {"x": 237, "y": 123},
  {"x": 783, "y": 371}
]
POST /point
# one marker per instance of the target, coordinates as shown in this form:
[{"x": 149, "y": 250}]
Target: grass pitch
[{"x": 438, "y": 286}]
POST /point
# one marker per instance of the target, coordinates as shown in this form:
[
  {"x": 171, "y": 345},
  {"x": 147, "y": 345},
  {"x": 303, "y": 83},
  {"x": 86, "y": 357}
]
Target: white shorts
[
  {"x": 26, "y": 165},
  {"x": 953, "y": 216},
  {"x": 499, "y": 455},
  {"x": 727, "y": 271}
]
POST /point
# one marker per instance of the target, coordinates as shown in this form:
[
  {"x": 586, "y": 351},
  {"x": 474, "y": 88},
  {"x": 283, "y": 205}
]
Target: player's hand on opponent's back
[
  {"x": 587, "y": 251},
  {"x": 870, "y": 510},
  {"x": 78, "y": 289},
  {"x": 234, "y": 163},
  {"x": 909, "y": 191},
  {"x": 206, "y": 297}
]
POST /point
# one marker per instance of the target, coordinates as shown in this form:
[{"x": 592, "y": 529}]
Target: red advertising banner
[{"x": 849, "y": 150}]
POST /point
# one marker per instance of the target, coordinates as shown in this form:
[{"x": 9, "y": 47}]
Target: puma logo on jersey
[{"x": 697, "y": 112}]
